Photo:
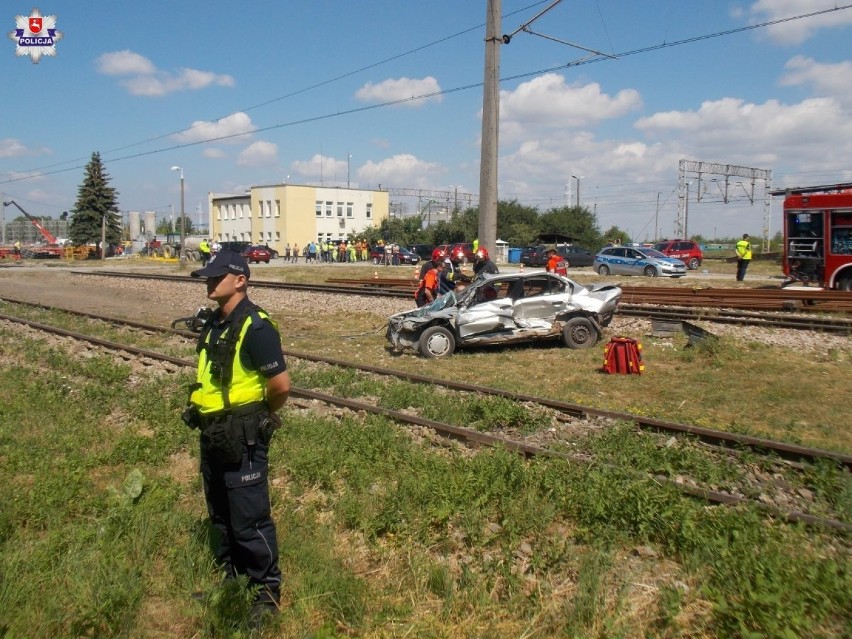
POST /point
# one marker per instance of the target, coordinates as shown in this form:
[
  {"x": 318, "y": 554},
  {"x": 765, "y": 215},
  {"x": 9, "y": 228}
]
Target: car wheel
[
  {"x": 693, "y": 263},
  {"x": 567, "y": 264},
  {"x": 603, "y": 269},
  {"x": 844, "y": 284},
  {"x": 437, "y": 341},
  {"x": 579, "y": 332},
  {"x": 650, "y": 271},
  {"x": 375, "y": 261}
]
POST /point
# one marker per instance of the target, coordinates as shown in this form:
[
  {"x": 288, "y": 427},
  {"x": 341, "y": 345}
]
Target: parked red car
[
  {"x": 686, "y": 251},
  {"x": 257, "y": 254}
]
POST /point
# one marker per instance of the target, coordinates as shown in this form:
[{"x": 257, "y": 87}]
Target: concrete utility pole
[{"x": 490, "y": 124}]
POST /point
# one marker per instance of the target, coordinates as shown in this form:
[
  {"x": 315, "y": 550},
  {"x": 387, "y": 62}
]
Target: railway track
[
  {"x": 477, "y": 438},
  {"x": 659, "y": 306}
]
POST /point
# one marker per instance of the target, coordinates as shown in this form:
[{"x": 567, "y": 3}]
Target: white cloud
[
  {"x": 10, "y": 148},
  {"x": 145, "y": 79},
  {"x": 400, "y": 89},
  {"x": 797, "y": 31},
  {"x": 402, "y": 169},
  {"x": 828, "y": 79},
  {"x": 259, "y": 153},
  {"x": 213, "y": 153},
  {"x": 230, "y": 129},
  {"x": 547, "y": 102},
  {"x": 124, "y": 63},
  {"x": 320, "y": 167}
]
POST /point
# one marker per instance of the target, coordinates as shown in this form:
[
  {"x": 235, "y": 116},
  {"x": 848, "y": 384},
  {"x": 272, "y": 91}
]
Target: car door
[
  {"x": 539, "y": 299},
  {"x": 616, "y": 261},
  {"x": 634, "y": 261},
  {"x": 489, "y": 308},
  {"x": 578, "y": 256}
]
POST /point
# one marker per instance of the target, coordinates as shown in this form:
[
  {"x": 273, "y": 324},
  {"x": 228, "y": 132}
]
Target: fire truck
[{"x": 818, "y": 235}]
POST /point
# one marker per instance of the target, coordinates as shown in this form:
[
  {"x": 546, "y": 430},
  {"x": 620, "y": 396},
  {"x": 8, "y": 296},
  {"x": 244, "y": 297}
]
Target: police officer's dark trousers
[{"x": 237, "y": 496}]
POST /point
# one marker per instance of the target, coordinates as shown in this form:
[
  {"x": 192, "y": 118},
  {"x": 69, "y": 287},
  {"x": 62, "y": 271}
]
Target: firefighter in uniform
[
  {"x": 429, "y": 287},
  {"x": 482, "y": 264},
  {"x": 556, "y": 263},
  {"x": 241, "y": 382}
]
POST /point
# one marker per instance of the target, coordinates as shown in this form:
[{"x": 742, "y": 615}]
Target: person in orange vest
[
  {"x": 556, "y": 263},
  {"x": 427, "y": 292}
]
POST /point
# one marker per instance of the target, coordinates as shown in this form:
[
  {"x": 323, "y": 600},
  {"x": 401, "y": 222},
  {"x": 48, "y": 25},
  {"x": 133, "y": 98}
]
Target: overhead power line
[{"x": 425, "y": 96}]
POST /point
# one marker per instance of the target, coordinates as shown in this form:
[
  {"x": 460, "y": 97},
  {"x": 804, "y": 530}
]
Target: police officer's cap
[{"x": 224, "y": 262}]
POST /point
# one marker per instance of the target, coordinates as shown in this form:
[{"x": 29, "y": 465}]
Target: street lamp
[
  {"x": 578, "y": 190},
  {"x": 179, "y": 168},
  {"x": 348, "y": 158}
]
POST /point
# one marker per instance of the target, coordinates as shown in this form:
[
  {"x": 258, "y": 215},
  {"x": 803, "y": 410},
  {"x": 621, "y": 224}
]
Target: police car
[{"x": 629, "y": 260}]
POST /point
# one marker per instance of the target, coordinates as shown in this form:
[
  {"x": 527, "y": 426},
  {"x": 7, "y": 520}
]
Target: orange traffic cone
[
  {"x": 522, "y": 267},
  {"x": 416, "y": 273},
  {"x": 375, "y": 275}
]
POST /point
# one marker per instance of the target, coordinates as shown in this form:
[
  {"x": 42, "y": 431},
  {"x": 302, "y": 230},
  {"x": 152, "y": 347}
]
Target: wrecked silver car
[{"x": 502, "y": 309}]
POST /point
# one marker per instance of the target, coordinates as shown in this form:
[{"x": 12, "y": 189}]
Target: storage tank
[
  {"x": 135, "y": 225},
  {"x": 150, "y": 223}
]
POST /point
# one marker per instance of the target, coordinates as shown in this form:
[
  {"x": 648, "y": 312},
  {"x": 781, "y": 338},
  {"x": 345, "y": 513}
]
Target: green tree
[
  {"x": 164, "y": 227},
  {"x": 96, "y": 201},
  {"x": 461, "y": 227},
  {"x": 574, "y": 221},
  {"x": 517, "y": 224},
  {"x": 401, "y": 230},
  {"x": 616, "y": 236}
]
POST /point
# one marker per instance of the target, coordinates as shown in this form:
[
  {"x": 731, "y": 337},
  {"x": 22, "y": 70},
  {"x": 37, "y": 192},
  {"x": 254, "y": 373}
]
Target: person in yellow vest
[
  {"x": 241, "y": 382},
  {"x": 475, "y": 245},
  {"x": 743, "y": 257},
  {"x": 204, "y": 251}
]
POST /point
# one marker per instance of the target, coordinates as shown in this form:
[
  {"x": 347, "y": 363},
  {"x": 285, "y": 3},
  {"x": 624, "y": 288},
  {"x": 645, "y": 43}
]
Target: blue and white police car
[{"x": 629, "y": 260}]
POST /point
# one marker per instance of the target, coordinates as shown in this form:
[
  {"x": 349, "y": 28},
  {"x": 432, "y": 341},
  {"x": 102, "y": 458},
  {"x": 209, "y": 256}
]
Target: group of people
[{"x": 443, "y": 273}]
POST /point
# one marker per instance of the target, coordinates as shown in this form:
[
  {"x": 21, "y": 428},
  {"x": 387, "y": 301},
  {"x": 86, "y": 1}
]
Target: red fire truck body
[{"x": 818, "y": 235}]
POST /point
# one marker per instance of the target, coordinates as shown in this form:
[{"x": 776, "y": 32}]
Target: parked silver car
[
  {"x": 629, "y": 260},
  {"x": 501, "y": 309}
]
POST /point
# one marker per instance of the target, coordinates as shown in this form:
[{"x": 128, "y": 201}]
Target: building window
[
  {"x": 269, "y": 208},
  {"x": 218, "y": 213},
  {"x": 318, "y": 205},
  {"x": 340, "y": 209},
  {"x": 277, "y": 208},
  {"x": 349, "y": 206},
  {"x": 369, "y": 210},
  {"x": 247, "y": 209},
  {"x": 277, "y": 236},
  {"x": 328, "y": 208}
]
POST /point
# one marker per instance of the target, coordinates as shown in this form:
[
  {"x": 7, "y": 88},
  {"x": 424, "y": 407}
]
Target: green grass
[{"x": 103, "y": 530}]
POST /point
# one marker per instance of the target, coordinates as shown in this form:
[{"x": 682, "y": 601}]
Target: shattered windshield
[{"x": 449, "y": 299}]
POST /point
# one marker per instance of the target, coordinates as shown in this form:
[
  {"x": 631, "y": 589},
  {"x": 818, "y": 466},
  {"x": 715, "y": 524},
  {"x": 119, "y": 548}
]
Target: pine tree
[{"x": 96, "y": 200}]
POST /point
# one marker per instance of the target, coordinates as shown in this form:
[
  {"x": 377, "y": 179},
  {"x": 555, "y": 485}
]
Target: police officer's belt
[{"x": 238, "y": 411}]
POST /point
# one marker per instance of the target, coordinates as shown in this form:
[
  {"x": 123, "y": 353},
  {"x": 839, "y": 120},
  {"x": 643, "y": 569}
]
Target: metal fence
[{"x": 25, "y": 232}]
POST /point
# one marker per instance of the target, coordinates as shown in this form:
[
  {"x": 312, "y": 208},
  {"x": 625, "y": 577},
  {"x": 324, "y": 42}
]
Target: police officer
[
  {"x": 204, "y": 251},
  {"x": 743, "y": 256},
  {"x": 241, "y": 382}
]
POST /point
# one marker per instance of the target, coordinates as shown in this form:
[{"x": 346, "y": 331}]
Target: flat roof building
[{"x": 282, "y": 214}]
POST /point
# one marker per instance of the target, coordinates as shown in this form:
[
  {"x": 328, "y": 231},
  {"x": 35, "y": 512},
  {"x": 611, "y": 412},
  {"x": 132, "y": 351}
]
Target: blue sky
[{"x": 319, "y": 92}]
